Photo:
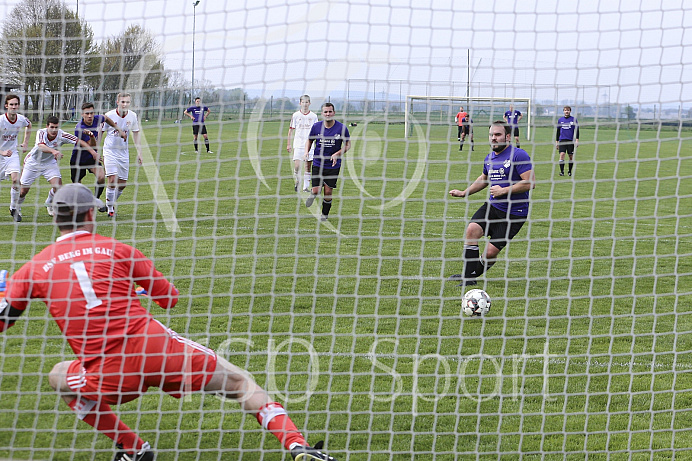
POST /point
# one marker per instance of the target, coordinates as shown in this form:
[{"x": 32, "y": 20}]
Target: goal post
[{"x": 441, "y": 110}]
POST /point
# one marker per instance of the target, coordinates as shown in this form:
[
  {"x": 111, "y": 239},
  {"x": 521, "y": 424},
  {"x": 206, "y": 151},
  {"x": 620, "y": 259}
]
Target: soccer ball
[{"x": 475, "y": 303}]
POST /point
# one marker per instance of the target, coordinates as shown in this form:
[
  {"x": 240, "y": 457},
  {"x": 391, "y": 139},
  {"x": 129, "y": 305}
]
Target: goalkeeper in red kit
[{"x": 87, "y": 281}]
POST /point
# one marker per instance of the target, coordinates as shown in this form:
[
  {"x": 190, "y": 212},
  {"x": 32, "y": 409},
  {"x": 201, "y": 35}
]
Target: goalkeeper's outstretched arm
[{"x": 8, "y": 314}]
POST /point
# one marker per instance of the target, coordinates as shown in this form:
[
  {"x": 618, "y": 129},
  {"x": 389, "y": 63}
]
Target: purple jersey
[
  {"x": 513, "y": 117},
  {"x": 197, "y": 113},
  {"x": 504, "y": 169},
  {"x": 79, "y": 132},
  {"x": 327, "y": 142},
  {"x": 567, "y": 129}
]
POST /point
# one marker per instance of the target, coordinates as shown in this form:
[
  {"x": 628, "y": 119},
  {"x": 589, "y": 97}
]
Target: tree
[
  {"x": 47, "y": 49},
  {"x": 133, "y": 61}
]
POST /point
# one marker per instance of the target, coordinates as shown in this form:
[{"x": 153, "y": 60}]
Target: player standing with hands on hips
[
  {"x": 509, "y": 172},
  {"x": 87, "y": 281},
  {"x": 567, "y": 138},
  {"x": 332, "y": 140}
]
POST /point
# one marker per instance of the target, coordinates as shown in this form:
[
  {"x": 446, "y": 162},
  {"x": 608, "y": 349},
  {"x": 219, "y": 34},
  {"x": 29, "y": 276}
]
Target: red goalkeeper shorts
[{"x": 157, "y": 357}]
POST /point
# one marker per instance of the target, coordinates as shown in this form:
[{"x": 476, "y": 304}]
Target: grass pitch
[{"x": 585, "y": 352}]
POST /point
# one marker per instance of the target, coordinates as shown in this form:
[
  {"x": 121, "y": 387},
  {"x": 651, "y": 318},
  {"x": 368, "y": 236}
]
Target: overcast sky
[{"x": 637, "y": 51}]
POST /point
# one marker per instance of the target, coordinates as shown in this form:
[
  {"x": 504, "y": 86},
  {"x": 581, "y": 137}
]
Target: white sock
[
  {"x": 295, "y": 176},
  {"x": 14, "y": 197},
  {"x": 51, "y": 194},
  {"x": 306, "y": 180},
  {"x": 18, "y": 205},
  {"x": 118, "y": 193},
  {"x": 110, "y": 199}
]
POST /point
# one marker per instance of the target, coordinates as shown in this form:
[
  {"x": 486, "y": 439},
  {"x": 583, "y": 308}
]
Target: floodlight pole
[{"x": 194, "y": 35}]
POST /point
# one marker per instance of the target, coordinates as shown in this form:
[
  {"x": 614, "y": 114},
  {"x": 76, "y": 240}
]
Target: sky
[{"x": 603, "y": 51}]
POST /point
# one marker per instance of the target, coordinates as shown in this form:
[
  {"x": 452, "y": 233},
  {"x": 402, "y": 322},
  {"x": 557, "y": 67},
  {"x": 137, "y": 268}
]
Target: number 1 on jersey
[{"x": 85, "y": 284}]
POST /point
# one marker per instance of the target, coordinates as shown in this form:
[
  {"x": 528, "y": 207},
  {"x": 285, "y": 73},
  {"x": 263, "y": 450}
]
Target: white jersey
[
  {"x": 302, "y": 123},
  {"x": 37, "y": 158},
  {"x": 10, "y": 131},
  {"x": 113, "y": 142}
]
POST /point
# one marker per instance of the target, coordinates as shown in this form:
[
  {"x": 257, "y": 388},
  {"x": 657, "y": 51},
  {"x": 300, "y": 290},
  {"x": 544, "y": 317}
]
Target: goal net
[
  {"x": 342, "y": 311},
  {"x": 443, "y": 110}
]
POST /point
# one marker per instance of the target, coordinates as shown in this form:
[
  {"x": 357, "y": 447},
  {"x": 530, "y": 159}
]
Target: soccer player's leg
[
  {"x": 76, "y": 387},
  {"x": 206, "y": 139},
  {"x": 56, "y": 182},
  {"x": 472, "y": 261},
  {"x": 562, "y": 151},
  {"x": 570, "y": 153},
  {"x": 317, "y": 181},
  {"x": 12, "y": 170},
  {"x": 195, "y": 134},
  {"x": 296, "y": 169},
  {"x": 330, "y": 181}
]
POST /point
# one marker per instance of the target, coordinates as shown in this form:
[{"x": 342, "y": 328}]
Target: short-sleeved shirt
[
  {"x": 302, "y": 123},
  {"x": 86, "y": 280},
  {"x": 327, "y": 142},
  {"x": 197, "y": 113},
  {"x": 460, "y": 117},
  {"x": 10, "y": 130},
  {"x": 567, "y": 129},
  {"x": 129, "y": 123},
  {"x": 513, "y": 117},
  {"x": 504, "y": 169},
  {"x": 36, "y": 158}
]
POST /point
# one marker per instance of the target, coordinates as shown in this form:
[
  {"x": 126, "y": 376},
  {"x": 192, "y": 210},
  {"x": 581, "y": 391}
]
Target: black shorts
[
  {"x": 81, "y": 162},
  {"x": 566, "y": 146},
  {"x": 501, "y": 227},
  {"x": 515, "y": 130},
  {"x": 199, "y": 129},
  {"x": 326, "y": 176},
  {"x": 466, "y": 129}
]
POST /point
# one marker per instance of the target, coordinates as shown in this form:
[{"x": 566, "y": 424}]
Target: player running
[
  {"x": 43, "y": 161},
  {"x": 89, "y": 130},
  {"x": 116, "y": 152},
  {"x": 298, "y": 133},
  {"x": 88, "y": 283},
  {"x": 11, "y": 123}
]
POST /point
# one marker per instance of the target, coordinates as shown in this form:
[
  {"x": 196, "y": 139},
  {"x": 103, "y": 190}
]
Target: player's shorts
[
  {"x": 9, "y": 165},
  {"x": 327, "y": 176},
  {"x": 199, "y": 129},
  {"x": 81, "y": 162},
  {"x": 515, "y": 130},
  {"x": 500, "y": 226},
  {"x": 159, "y": 357},
  {"x": 299, "y": 153},
  {"x": 466, "y": 129},
  {"x": 566, "y": 146},
  {"x": 116, "y": 164},
  {"x": 31, "y": 173}
]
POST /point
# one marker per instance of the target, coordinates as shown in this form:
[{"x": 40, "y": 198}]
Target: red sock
[
  {"x": 101, "y": 417},
  {"x": 274, "y": 418}
]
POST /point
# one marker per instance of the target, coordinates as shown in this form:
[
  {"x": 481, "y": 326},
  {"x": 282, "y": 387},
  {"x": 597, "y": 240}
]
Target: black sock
[
  {"x": 562, "y": 166},
  {"x": 571, "y": 164},
  {"x": 461, "y": 145},
  {"x": 518, "y": 146},
  {"x": 472, "y": 262},
  {"x": 195, "y": 143},
  {"x": 326, "y": 206},
  {"x": 206, "y": 144},
  {"x": 471, "y": 145},
  {"x": 99, "y": 190},
  {"x": 486, "y": 265}
]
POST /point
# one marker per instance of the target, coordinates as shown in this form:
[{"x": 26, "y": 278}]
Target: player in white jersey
[
  {"x": 298, "y": 132},
  {"x": 11, "y": 124},
  {"x": 43, "y": 161},
  {"x": 116, "y": 152}
]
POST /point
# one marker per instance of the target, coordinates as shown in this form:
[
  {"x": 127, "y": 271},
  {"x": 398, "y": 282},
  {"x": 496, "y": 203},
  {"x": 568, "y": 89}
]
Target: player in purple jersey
[
  {"x": 89, "y": 130},
  {"x": 567, "y": 138},
  {"x": 332, "y": 140},
  {"x": 509, "y": 173},
  {"x": 513, "y": 117},
  {"x": 198, "y": 114}
]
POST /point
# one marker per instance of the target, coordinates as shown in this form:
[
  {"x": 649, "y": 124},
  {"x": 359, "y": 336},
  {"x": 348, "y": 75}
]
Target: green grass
[{"x": 599, "y": 279}]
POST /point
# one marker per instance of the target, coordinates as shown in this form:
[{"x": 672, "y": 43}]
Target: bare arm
[
  {"x": 138, "y": 146},
  {"x": 308, "y": 146},
  {"x": 206, "y": 114},
  {"x": 86, "y": 146},
  {"x": 340, "y": 152},
  {"x": 114, "y": 125},
  {"x": 289, "y": 141},
  {"x": 478, "y": 185},
  {"x": 27, "y": 133},
  {"x": 188, "y": 114}
]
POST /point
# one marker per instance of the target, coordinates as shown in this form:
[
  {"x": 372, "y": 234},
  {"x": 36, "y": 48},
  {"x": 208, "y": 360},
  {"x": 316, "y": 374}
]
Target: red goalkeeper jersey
[{"x": 87, "y": 282}]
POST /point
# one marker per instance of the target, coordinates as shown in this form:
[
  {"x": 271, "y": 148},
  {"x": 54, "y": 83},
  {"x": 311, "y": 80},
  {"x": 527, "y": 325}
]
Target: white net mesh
[{"x": 349, "y": 322}]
